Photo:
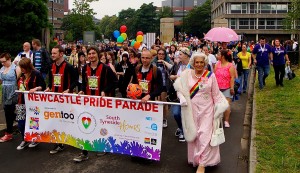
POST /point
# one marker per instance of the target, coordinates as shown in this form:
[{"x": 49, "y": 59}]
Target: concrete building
[
  {"x": 55, "y": 15},
  {"x": 252, "y": 18},
  {"x": 181, "y": 8}
]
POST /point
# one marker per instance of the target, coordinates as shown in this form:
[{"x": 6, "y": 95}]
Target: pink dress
[{"x": 199, "y": 151}]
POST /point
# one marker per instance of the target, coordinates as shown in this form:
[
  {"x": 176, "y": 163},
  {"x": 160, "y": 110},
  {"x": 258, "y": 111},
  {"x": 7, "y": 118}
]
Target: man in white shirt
[
  {"x": 26, "y": 53},
  {"x": 211, "y": 58}
]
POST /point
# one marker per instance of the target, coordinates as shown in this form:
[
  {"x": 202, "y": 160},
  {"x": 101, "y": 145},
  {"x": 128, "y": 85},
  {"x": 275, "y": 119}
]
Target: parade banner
[{"x": 102, "y": 124}]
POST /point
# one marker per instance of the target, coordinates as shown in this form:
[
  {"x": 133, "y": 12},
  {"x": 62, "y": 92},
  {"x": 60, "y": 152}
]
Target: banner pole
[{"x": 113, "y": 98}]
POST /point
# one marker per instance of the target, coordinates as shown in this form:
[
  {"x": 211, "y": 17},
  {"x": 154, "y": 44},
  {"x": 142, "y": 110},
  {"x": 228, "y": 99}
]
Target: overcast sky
[{"x": 111, "y": 7}]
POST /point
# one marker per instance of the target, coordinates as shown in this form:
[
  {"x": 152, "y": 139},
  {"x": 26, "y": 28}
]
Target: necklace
[{"x": 198, "y": 77}]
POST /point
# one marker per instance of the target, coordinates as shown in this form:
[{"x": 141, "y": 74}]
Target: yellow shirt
[{"x": 244, "y": 59}]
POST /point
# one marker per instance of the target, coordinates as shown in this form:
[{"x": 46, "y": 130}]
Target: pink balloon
[
  {"x": 139, "y": 33},
  {"x": 123, "y": 28}
]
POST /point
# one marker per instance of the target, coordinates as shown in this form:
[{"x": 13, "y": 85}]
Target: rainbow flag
[{"x": 195, "y": 88}]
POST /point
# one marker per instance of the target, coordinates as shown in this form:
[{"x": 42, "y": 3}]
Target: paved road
[{"x": 173, "y": 157}]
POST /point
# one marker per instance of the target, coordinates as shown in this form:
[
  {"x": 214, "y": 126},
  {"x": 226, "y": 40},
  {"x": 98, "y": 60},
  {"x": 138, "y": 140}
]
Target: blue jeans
[
  {"x": 263, "y": 73},
  {"x": 21, "y": 126},
  {"x": 243, "y": 80},
  {"x": 176, "y": 111},
  {"x": 44, "y": 75}
]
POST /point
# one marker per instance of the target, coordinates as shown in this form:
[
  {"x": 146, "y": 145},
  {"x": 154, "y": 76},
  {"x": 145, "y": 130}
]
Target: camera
[{"x": 23, "y": 55}]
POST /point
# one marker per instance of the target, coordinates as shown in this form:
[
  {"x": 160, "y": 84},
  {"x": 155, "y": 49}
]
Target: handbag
[
  {"x": 218, "y": 136},
  {"x": 289, "y": 73},
  {"x": 172, "y": 95}
]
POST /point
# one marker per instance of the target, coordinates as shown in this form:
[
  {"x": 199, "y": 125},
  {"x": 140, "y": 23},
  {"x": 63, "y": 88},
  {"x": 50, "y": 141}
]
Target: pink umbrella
[{"x": 221, "y": 34}]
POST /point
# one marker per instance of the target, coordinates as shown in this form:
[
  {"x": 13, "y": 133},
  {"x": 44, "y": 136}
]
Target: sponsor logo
[
  {"x": 153, "y": 141},
  {"x": 103, "y": 132},
  {"x": 149, "y": 118},
  {"x": 147, "y": 140},
  {"x": 59, "y": 115},
  {"x": 34, "y": 123},
  {"x": 153, "y": 127},
  {"x": 86, "y": 122},
  {"x": 36, "y": 110}
]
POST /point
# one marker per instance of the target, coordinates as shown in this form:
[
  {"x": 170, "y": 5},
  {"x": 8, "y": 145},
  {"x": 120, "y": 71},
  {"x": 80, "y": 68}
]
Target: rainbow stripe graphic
[
  {"x": 195, "y": 88},
  {"x": 101, "y": 144}
]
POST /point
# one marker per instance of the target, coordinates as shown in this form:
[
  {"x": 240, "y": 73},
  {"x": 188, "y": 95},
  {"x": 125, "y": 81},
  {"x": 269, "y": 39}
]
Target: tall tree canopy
[
  {"x": 197, "y": 21},
  {"x": 80, "y": 19},
  {"x": 21, "y": 21}
]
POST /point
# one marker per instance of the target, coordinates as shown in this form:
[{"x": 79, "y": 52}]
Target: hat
[
  {"x": 185, "y": 51},
  {"x": 125, "y": 53},
  {"x": 166, "y": 45}
]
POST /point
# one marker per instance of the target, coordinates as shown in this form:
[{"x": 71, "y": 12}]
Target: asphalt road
[{"x": 173, "y": 156}]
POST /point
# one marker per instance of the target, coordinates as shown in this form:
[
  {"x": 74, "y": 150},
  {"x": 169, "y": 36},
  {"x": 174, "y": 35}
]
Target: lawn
[{"x": 278, "y": 126}]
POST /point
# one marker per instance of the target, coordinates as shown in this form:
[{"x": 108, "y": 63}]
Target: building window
[
  {"x": 252, "y": 23},
  {"x": 279, "y": 24},
  {"x": 244, "y": 8},
  {"x": 271, "y": 24},
  {"x": 282, "y": 8},
  {"x": 253, "y": 8},
  {"x": 261, "y": 24},
  {"x": 243, "y": 23},
  {"x": 232, "y": 23},
  {"x": 265, "y": 8},
  {"x": 236, "y": 8}
]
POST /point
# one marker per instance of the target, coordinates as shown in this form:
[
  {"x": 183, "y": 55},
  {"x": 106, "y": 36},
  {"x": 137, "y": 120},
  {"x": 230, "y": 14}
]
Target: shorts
[{"x": 226, "y": 93}]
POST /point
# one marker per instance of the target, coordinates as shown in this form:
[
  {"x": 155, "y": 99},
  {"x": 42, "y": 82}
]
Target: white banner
[{"x": 93, "y": 123}]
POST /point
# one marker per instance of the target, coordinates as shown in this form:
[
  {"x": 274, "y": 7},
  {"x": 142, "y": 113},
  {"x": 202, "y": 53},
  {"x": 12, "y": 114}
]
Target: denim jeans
[
  {"x": 243, "y": 80},
  {"x": 176, "y": 111},
  {"x": 263, "y": 73},
  {"x": 21, "y": 126}
]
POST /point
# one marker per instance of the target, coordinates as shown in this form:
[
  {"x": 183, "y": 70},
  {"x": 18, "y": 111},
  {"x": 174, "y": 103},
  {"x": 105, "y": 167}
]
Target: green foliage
[
  {"x": 52, "y": 44},
  {"x": 21, "y": 21},
  {"x": 197, "y": 21},
  {"x": 278, "y": 126},
  {"x": 165, "y": 12},
  {"x": 144, "y": 19},
  {"x": 80, "y": 19},
  {"x": 69, "y": 36},
  {"x": 292, "y": 21}
]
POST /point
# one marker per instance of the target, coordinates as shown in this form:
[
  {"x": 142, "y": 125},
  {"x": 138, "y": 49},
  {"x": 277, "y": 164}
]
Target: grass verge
[{"x": 278, "y": 126}]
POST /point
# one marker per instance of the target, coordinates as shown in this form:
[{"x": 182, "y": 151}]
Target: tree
[
  {"x": 197, "y": 21},
  {"x": 292, "y": 21},
  {"x": 165, "y": 12},
  {"x": 21, "y": 21},
  {"x": 145, "y": 19},
  {"x": 80, "y": 19}
]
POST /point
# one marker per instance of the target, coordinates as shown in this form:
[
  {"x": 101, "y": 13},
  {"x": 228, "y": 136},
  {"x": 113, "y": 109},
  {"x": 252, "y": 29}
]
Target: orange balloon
[{"x": 137, "y": 45}]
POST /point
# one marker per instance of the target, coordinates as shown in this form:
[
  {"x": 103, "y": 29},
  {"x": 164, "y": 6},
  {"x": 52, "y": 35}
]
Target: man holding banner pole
[
  {"x": 149, "y": 77},
  {"x": 61, "y": 79},
  {"x": 98, "y": 80}
]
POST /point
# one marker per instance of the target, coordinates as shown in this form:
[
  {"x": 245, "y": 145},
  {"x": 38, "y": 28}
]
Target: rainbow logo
[{"x": 86, "y": 122}]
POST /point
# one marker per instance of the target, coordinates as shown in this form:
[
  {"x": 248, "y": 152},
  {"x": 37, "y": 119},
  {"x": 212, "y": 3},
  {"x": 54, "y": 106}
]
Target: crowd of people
[{"x": 204, "y": 68}]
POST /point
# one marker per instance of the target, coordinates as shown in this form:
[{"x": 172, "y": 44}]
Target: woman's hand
[
  {"x": 173, "y": 77},
  {"x": 232, "y": 91}
]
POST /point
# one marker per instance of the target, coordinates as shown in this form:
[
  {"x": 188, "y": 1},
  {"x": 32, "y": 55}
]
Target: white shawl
[{"x": 183, "y": 92}]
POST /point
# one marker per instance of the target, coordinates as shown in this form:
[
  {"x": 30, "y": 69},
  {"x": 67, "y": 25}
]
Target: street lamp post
[{"x": 52, "y": 1}]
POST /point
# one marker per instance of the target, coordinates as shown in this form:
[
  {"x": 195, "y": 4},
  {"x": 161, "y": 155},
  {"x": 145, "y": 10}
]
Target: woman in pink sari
[{"x": 198, "y": 88}]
